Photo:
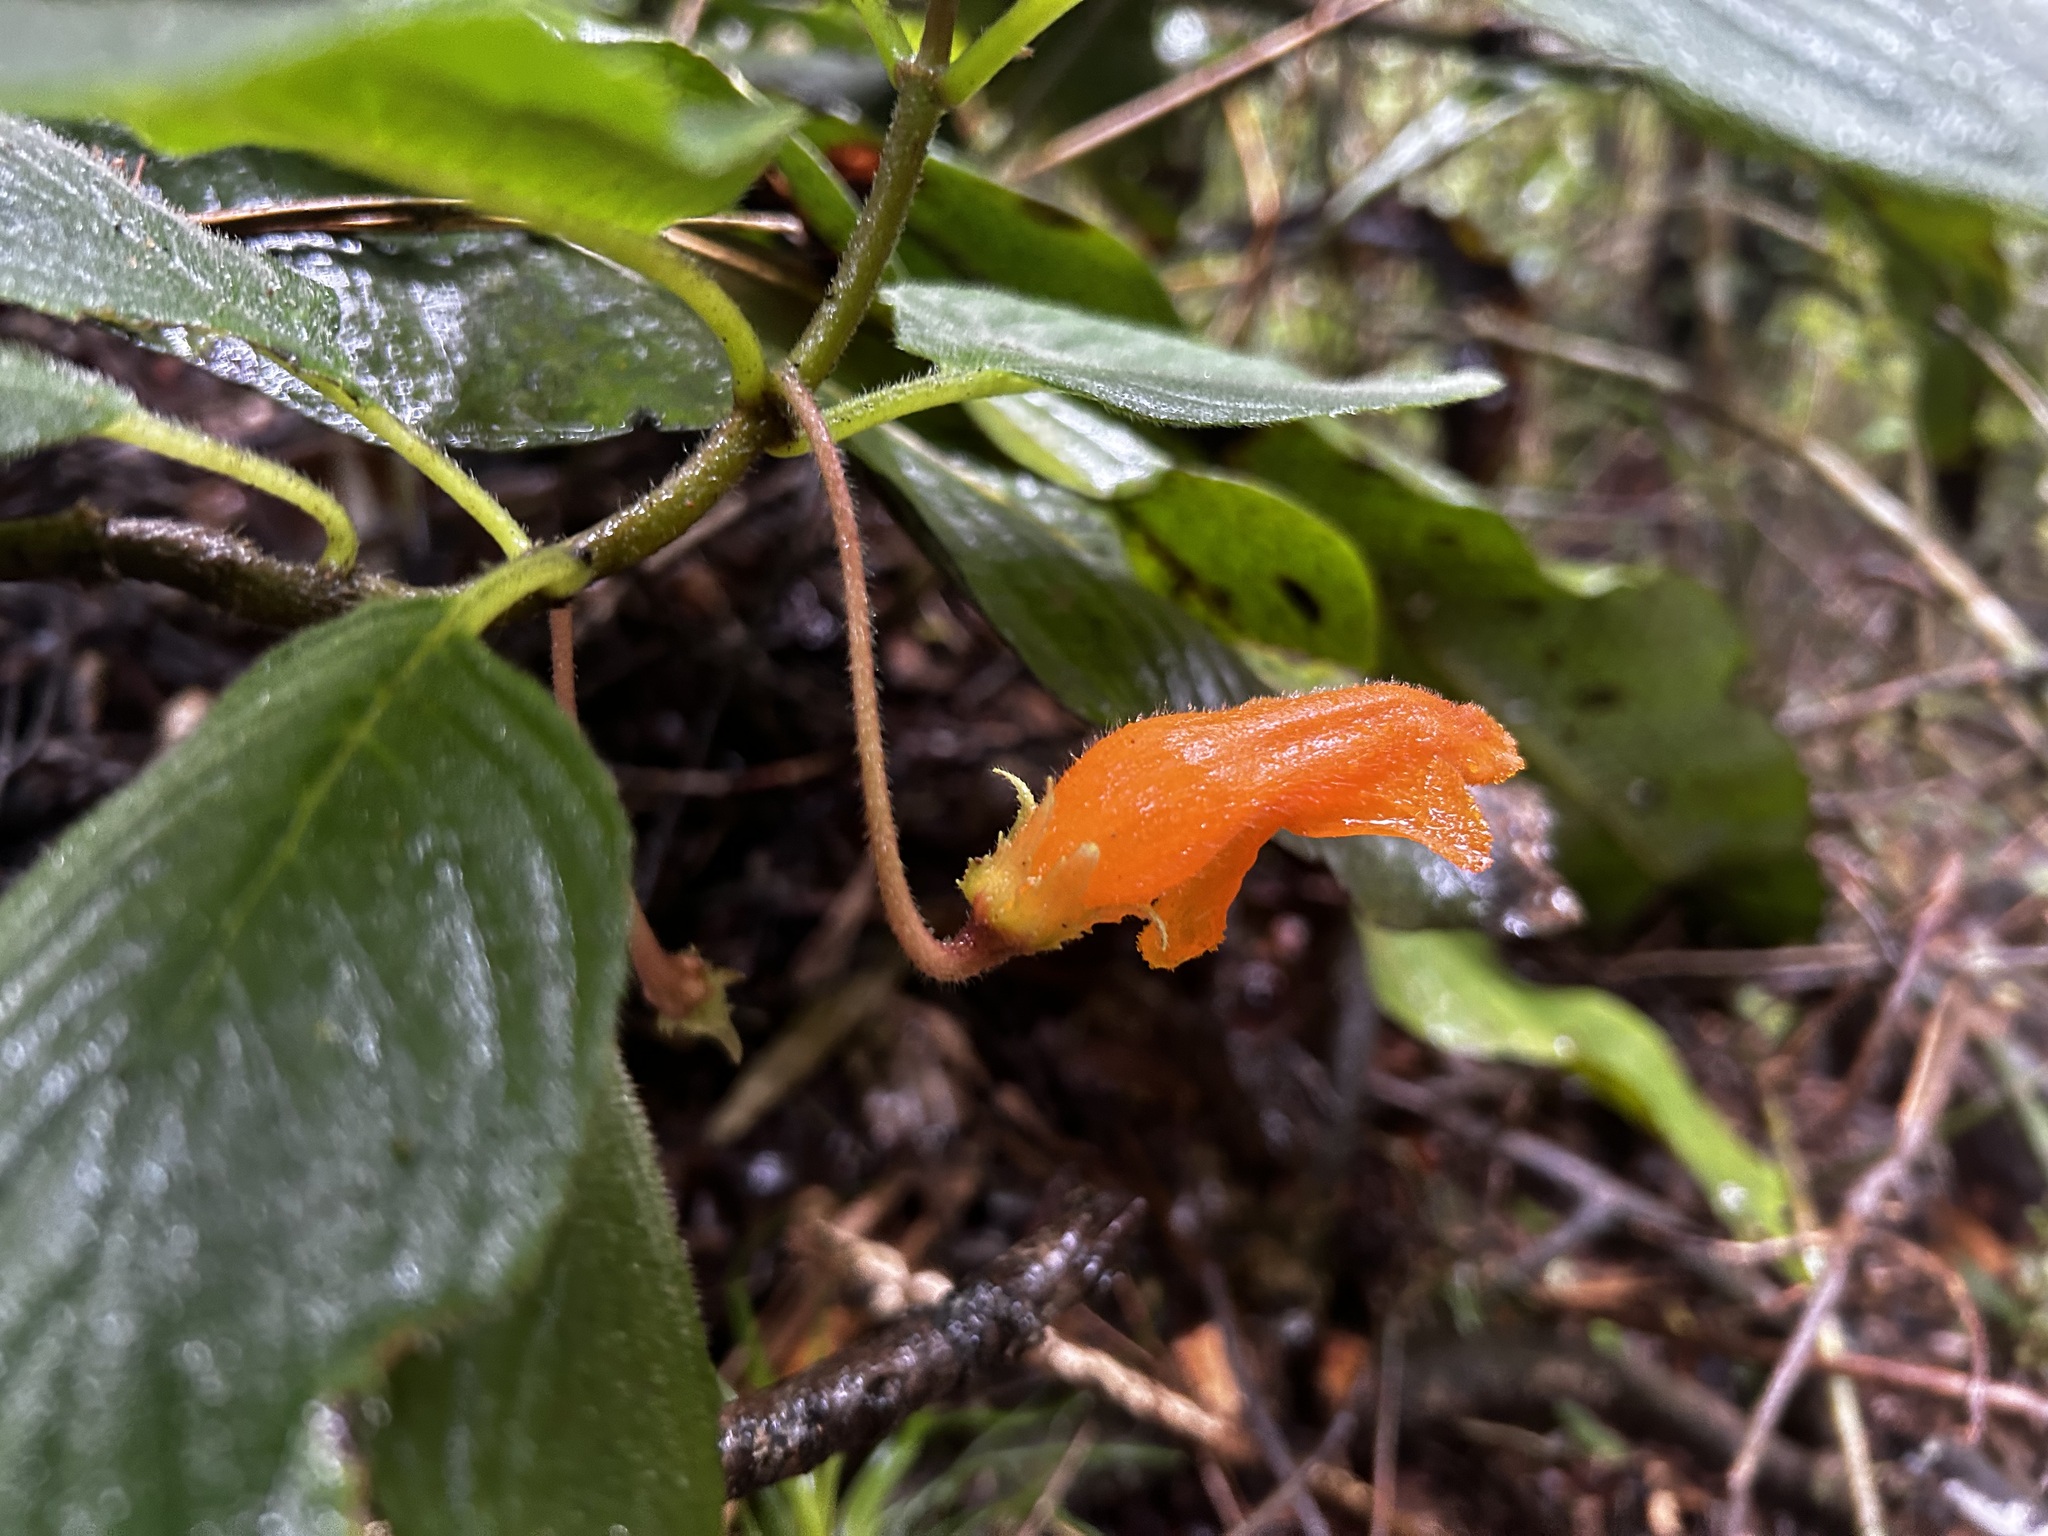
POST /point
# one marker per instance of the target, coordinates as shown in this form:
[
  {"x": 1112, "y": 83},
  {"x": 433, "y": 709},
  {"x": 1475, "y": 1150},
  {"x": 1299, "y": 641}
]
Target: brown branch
[
  {"x": 86, "y": 544},
  {"x": 852, "y": 1400},
  {"x": 1926, "y": 1095}
]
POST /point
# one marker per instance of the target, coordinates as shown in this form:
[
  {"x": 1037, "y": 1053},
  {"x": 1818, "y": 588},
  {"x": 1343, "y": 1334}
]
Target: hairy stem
[
  {"x": 973, "y": 949},
  {"x": 84, "y": 544},
  {"x": 480, "y": 504},
  {"x": 633, "y": 533},
  {"x": 174, "y": 440},
  {"x": 926, "y": 392},
  {"x": 920, "y": 107}
]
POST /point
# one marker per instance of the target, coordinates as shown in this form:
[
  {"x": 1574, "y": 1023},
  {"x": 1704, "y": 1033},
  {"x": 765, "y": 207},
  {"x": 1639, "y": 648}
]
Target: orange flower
[{"x": 1163, "y": 818}]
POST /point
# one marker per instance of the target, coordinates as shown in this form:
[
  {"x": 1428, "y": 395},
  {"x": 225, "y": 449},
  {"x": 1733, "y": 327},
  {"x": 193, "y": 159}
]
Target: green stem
[
  {"x": 174, "y": 440},
  {"x": 884, "y": 30},
  {"x": 1003, "y": 42},
  {"x": 553, "y": 571},
  {"x": 920, "y": 107},
  {"x": 430, "y": 461},
  {"x": 633, "y": 533},
  {"x": 907, "y": 397},
  {"x": 659, "y": 262}
]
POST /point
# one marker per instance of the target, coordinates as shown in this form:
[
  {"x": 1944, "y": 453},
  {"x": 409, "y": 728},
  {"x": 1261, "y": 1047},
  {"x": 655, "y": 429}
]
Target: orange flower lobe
[{"x": 1163, "y": 818}]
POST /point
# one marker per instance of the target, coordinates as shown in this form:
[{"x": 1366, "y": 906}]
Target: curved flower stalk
[{"x": 1163, "y": 818}]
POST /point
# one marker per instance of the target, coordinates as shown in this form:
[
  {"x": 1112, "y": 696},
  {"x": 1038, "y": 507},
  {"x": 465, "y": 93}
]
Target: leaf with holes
[
  {"x": 590, "y": 1404},
  {"x": 1050, "y": 573},
  {"x": 1621, "y": 702},
  {"x": 298, "y": 1040},
  {"x": 1142, "y": 370},
  {"x": 1255, "y": 564},
  {"x": 79, "y": 242},
  {"x": 1452, "y": 990}
]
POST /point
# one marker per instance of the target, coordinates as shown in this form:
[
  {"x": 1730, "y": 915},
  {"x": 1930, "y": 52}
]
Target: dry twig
[
  {"x": 1129, "y": 116},
  {"x": 1927, "y": 1092}
]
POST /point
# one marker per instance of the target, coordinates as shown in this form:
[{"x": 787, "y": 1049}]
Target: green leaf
[
  {"x": 498, "y": 339},
  {"x": 77, "y": 241},
  {"x": 1255, "y": 564},
  {"x": 591, "y": 1405},
  {"x": 1140, "y": 370},
  {"x": 45, "y": 401},
  {"x": 299, "y": 1036},
  {"x": 487, "y": 339},
  {"x": 1620, "y": 702},
  {"x": 533, "y": 114},
  {"x": 964, "y": 225},
  {"x": 1050, "y": 573},
  {"x": 1451, "y": 990},
  {"x": 1950, "y": 96},
  {"x": 1071, "y": 444}
]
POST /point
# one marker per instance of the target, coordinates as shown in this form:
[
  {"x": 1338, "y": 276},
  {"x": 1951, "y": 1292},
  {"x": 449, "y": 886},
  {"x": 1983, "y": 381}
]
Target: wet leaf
[
  {"x": 533, "y": 114},
  {"x": 1620, "y": 702},
  {"x": 1070, "y": 444},
  {"x": 1950, "y": 96},
  {"x": 1254, "y": 564},
  {"x": 77, "y": 241},
  {"x": 299, "y": 1037},
  {"x": 1049, "y": 572},
  {"x": 591, "y": 1404},
  {"x": 45, "y": 401},
  {"x": 498, "y": 339},
  {"x": 490, "y": 339},
  {"x": 1140, "y": 370},
  {"x": 1452, "y": 991}
]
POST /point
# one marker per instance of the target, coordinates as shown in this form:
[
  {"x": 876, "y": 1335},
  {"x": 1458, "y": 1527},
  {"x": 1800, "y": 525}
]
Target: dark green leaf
[
  {"x": 45, "y": 401},
  {"x": 1620, "y": 702},
  {"x": 1451, "y": 990},
  {"x": 298, "y": 1039},
  {"x": 966, "y": 226},
  {"x": 963, "y": 225},
  {"x": 1950, "y": 96},
  {"x": 1140, "y": 370},
  {"x": 1069, "y": 443},
  {"x": 489, "y": 339},
  {"x": 1048, "y": 571},
  {"x": 498, "y": 339},
  {"x": 1255, "y": 564},
  {"x": 77, "y": 241},
  {"x": 591, "y": 1406},
  {"x": 543, "y": 117}
]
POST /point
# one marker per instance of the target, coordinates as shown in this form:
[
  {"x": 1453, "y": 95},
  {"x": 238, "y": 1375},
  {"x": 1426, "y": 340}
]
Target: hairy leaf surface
[
  {"x": 1142, "y": 370},
  {"x": 45, "y": 401},
  {"x": 531, "y": 113},
  {"x": 80, "y": 242},
  {"x": 298, "y": 1038},
  {"x": 591, "y": 1404},
  {"x": 1951, "y": 96}
]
